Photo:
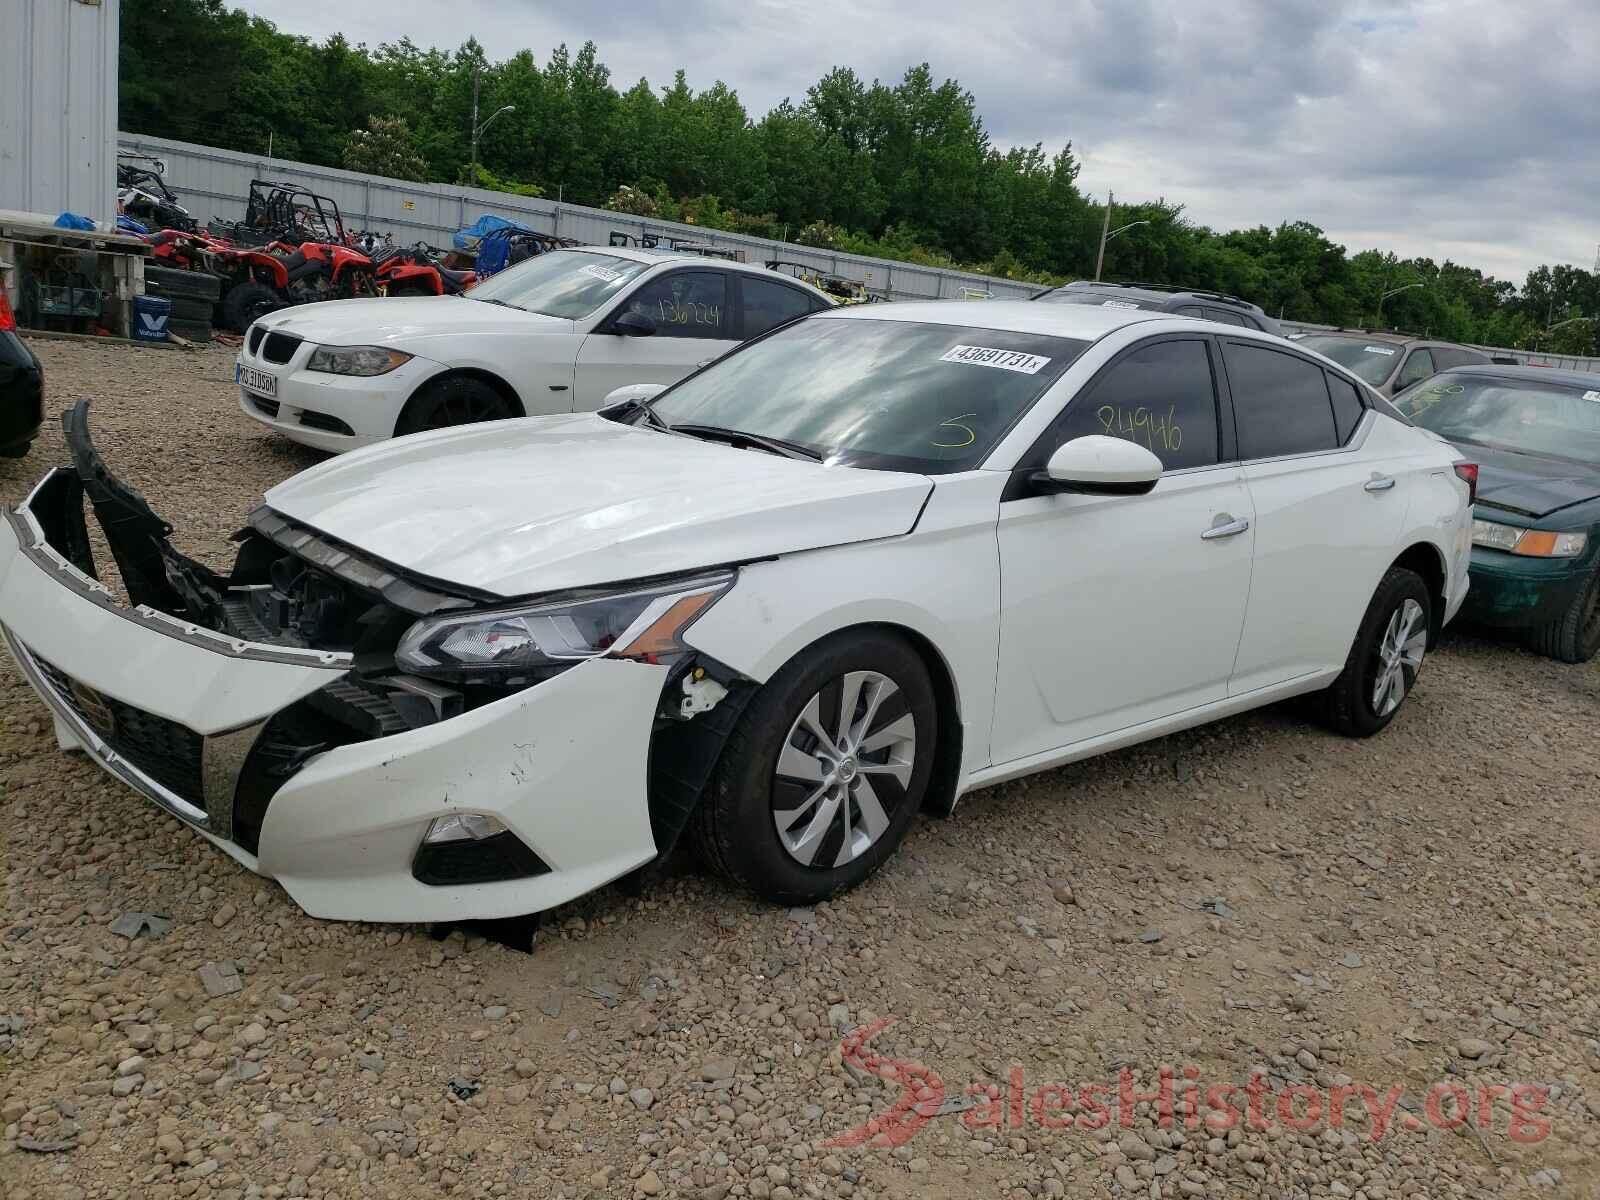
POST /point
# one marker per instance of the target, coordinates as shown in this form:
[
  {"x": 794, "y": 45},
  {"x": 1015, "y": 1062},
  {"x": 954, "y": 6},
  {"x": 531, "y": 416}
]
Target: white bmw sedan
[
  {"x": 867, "y": 563},
  {"x": 554, "y": 334}
]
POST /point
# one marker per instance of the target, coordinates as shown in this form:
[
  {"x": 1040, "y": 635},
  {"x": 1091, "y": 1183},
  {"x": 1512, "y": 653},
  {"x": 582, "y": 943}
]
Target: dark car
[
  {"x": 1535, "y": 435},
  {"x": 1390, "y": 362},
  {"x": 21, "y": 387},
  {"x": 1181, "y": 302}
]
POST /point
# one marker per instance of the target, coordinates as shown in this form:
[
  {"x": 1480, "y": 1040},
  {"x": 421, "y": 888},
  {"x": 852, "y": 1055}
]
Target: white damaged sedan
[{"x": 868, "y": 562}]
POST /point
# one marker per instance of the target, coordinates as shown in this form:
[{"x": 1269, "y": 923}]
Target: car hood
[
  {"x": 1528, "y": 484},
  {"x": 541, "y": 504},
  {"x": 405, "y": 319}
]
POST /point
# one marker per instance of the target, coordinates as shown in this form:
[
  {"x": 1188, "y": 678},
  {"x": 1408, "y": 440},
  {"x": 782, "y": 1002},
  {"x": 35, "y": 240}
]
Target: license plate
[{"x": 252, "y": 380}]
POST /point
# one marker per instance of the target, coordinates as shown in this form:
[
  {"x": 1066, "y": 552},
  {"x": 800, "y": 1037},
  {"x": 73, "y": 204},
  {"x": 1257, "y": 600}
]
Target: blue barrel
[{"x": 150, "y": 315}]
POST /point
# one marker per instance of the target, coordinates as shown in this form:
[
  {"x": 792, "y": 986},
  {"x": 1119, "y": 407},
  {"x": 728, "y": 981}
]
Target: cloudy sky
[{"x": 1463, "y": 129}]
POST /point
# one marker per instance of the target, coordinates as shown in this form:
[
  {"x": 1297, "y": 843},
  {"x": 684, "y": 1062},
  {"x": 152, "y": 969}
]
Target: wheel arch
[{"x": 1428, "y": 561}]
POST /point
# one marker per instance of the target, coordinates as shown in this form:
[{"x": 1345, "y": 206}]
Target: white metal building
[{"x": 58, "y": 106}]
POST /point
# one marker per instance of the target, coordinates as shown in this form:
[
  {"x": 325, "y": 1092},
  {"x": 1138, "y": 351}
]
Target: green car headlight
[{"x": 1530, "y": 543}]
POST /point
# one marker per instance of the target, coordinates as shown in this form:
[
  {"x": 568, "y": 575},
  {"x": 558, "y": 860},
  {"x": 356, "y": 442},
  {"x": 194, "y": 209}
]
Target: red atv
[
  {"x": 306, "y": 256},
  {"x": 420, "y": 271}
]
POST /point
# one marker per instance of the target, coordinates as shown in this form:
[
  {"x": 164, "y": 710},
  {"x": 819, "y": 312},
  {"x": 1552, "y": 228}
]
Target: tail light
[
  {"x": 1468, "y": 473},
  {"x": 8, "y": 319}
]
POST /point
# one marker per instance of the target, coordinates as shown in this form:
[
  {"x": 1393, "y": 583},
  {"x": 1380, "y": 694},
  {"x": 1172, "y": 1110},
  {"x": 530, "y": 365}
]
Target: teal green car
[{"x": 1535, "y": 435}]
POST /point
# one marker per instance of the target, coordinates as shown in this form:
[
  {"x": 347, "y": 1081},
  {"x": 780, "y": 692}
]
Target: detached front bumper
[
  {"x": 186, "y": 716},
  {"x": 1512, "y": 591}
]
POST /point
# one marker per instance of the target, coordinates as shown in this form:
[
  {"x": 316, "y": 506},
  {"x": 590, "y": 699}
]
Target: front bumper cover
[
  {"x": 175, "y": 710},
  {"x": 1519, "y": 592}
]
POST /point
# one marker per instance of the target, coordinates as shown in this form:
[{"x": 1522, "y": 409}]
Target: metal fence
[{"x": 212, "y": 182}]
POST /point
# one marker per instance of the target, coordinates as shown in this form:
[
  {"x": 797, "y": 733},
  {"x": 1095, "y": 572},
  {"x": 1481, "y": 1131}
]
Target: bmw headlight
[
  {"x": 356, "y": 360},
  {"x": 1530, "y": 543},
  {"x": 518, "y": 646}
]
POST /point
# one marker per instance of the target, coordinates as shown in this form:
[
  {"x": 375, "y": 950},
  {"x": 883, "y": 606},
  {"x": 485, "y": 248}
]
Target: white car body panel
[
  {"x": 1066, "y": 624},
  {"x": 552, "y": 365},
  {"x": 605, "y": 502}
]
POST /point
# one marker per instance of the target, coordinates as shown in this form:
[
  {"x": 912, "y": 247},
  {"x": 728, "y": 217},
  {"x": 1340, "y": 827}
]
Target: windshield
[
  {"x": 1372, "y": 361},
  {"x": 1085, "y": 296},
  {"x": 1530, "y": 416},
  {"x": 892, "y": 395},
  {"x": 562, "y": 283}
]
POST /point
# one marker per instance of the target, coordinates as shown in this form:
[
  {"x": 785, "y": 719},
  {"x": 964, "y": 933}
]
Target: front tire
[
  {"x": 824, "y": 772},
  {"x": 1385, "y": 659},
  {"x": 1574, "y": 636},
  {"x": 451, "y": 401}
]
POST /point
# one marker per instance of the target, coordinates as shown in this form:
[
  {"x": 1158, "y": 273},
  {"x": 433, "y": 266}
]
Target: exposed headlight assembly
[
  {"x": 356, "y": 360},
  {"x": 517, "y": 646},
  {"x": 1531, "y": 543}
]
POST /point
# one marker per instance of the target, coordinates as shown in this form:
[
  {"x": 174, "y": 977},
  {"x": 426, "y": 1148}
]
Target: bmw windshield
[
  {"x": 891, "y": 395},
  {"x": 562, "y": 283}
]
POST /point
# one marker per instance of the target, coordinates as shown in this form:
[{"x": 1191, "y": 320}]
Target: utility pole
[
  {"x": 1105, "y": 233},
  {"x": 472, "y": 180}
]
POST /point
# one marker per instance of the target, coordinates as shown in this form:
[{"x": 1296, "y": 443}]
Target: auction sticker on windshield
[
  {"x": 988, "y": 356},
  {"x": 252, "y": 380},
  {"x": 1383, "y": 350},
  {"x": 600, "y": 272}
]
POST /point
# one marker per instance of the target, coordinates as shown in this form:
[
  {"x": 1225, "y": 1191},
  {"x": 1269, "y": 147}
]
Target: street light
[
  {"x": 1393, "y": 292},
  {"x": 477, "y": 130},
  {"x": 1107, "y": 233}
]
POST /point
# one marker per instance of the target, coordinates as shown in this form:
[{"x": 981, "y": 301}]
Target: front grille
[
  {"x": 322, "y": 421},
  {"x": 280, "y": 347},
  {"x": 256, "y": 334},
  {"x": 267, "y": 408},
  {"x": 166, "y": 751}
]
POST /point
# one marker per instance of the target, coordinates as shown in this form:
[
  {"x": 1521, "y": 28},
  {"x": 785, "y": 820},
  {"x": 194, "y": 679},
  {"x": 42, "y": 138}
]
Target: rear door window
[
  {"x": 1347, "y": 407},
  {"x": 1226, "y": 317},
  {"x": 768, "y": 305},
  {"x": 1280, "y": 402}
]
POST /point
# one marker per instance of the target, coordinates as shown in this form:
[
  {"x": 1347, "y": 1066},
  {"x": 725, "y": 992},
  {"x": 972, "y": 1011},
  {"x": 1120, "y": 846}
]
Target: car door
[
  {"x": 691, "y": 312},
  {"x": 1328, "y": 511},
  {"x": 1116, "y": 610}
]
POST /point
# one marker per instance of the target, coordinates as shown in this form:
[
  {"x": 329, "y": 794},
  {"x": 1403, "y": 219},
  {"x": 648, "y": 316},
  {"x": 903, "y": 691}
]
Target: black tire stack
[{"x": 193, "y": 295}]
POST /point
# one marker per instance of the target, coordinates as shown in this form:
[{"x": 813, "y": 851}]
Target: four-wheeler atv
[
  {"x": 143, "y": 194},
  {"x": 419, "y": 271},
  {"x": 291, "y": 248},
  {"x": 843, "y": 291}
]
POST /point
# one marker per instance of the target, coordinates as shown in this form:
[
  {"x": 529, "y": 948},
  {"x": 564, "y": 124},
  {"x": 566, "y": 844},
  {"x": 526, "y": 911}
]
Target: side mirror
[
  {"x": 632, "y": 324},
  {"x": 632, "y": 393},
  {"x": 1099, "y": 466}
]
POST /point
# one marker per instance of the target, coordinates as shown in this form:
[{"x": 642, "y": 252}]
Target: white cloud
[{"x": 1464, "y": 129}]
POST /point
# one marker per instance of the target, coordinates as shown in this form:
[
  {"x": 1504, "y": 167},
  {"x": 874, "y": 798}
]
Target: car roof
[
  {"x": 1585, "y": 379},
  {"x": 1157, "y": 293},
  {"x": 1087, "y": 322},
  {"x": 663, "y": 256},
  {"x": 1361, "y": 335}
]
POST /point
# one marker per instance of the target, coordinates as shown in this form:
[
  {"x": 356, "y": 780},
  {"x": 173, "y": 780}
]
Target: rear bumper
[
  {"x": 175, "y": 711},
  {"x": 1512, "y": 591}
]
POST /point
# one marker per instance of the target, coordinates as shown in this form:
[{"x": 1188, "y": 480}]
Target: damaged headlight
[
  {"x": 356, "y": 360},
  {"x": 522, "y": 645}
]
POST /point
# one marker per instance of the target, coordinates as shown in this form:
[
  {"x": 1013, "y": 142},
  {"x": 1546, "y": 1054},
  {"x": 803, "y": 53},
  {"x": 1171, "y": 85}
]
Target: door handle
[
  {"x": 1379, "y": 483},
  {"x": 1225, "y": 526}
]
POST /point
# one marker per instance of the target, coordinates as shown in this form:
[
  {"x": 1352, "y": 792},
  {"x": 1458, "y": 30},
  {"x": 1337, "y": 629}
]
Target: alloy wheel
[
  {"x": 844, "y": 769},
  {"x": 1399, "y": 653}
]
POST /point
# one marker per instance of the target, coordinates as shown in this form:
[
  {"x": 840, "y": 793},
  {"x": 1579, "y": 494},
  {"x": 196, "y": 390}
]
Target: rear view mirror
[
  {"x": 632, "y": 393},
  {"x": 1099, "y": 465},
  {"x": 633, "y": 324}
]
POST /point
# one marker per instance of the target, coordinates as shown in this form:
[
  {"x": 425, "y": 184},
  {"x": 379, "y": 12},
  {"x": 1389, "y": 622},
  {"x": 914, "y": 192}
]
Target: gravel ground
[{"x": 1257, "y": 899}]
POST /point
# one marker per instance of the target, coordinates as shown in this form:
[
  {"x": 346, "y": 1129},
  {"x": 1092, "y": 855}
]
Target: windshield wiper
[
  {"x": 720, "y": 433},
  {"x": 492, "y": 300}
]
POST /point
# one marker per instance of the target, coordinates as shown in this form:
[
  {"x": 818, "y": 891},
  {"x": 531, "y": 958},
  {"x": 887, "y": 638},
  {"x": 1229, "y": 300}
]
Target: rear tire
[
  {"x": 173, "y": 284},
  {"x": 451, "y": 401},
  {"x": 1574, "y": 636},
  {"x": 1385, "y": 659},
  {"x": 192, "y": 308},
  {"x": 190, "y": 331},
  {"x": 824, "y": 772},
  {"x": 245, "y": 303}
]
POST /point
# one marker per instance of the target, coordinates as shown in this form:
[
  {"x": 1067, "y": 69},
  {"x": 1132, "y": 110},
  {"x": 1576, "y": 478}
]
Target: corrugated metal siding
[
  {"x": 58, "y": 106},
  {"x": 211, "y": 182}
]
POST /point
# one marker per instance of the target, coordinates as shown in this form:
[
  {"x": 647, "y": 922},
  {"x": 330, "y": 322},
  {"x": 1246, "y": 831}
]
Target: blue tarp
[
  {"x": 73, "y": 221},
  {"x": 467, "y": 239}
]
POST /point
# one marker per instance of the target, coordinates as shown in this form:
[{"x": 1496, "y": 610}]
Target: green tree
[{"x": 385, "y": 147}]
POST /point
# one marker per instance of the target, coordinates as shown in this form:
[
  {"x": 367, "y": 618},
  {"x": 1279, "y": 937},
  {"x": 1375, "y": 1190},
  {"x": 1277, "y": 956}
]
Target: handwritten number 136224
[{"x": 1158, "y": 431}]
